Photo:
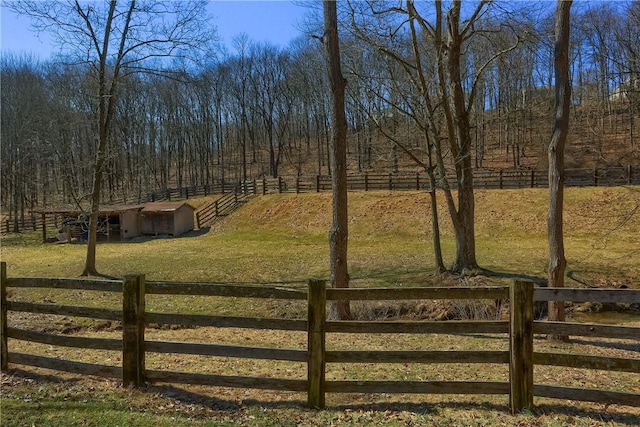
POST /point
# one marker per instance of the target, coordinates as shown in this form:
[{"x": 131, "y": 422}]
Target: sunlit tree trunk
[
  {"x": 557, "y": 261},
  {"x": 338, "y": 237}
]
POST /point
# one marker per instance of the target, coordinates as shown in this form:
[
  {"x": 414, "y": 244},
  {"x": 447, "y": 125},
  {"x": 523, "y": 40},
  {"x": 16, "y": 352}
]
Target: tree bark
[
  {"x": 338, "y": 236},
  {"x": 459, "y": 135},
  {"x": 557, "y": 261},
  {"x": 106, "y": 111}
]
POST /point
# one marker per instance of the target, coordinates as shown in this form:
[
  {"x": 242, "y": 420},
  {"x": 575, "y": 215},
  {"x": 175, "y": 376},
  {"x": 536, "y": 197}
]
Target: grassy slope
[{"x": 284, "y": 238}]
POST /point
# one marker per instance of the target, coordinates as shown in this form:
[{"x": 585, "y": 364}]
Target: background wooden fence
[
  {"x": 483, "y": 178},
  {"x": 520, "y": 329}
]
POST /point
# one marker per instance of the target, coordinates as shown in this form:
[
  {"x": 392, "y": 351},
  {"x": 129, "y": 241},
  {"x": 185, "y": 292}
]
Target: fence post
[
  {"x": 533, "y": 178},
  {"x": 629, "y": 174},
  {"x": 521, "y": 346},
  {"x": 317, "y": 312},
  {"x": 595, "y": 177},
  {"x": 366, "y": 181},
  {"x": 133, "y": 308},
  {"x": 215, "y": 205},
  {"x": 4, "y": 349},
  {"x": 500, "y": 178},
  {"x": 317, "y": 183},
  {"x": 264, "y": 186},
  {"x": 44, "y": 228}
]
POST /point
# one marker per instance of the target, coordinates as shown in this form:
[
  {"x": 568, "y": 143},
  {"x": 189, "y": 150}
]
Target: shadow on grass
[
  {"x": 392, "y": 276},
  {"x": 513, "y": 276},
  {"x": 419, "y": 408},
  {"x": 633, "y": 347}
]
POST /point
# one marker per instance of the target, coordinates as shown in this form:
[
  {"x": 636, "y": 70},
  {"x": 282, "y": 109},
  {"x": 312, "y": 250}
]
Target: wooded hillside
[{"x": 264, "y": 111}]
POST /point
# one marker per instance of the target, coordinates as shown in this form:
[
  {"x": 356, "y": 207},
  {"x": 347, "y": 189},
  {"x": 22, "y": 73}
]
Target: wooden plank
[
  {"x": 226, "y": 321},
  {"x": 360, "y": 356},
  {"x": 82, "y": 368},
  {"x": 521, "y": 346},
  {"x": 584, "y": 361},
  {"x": 629, "y": 296},
  {"x": 227, "y": 381},
  {"x": 317, "y": 315},
  {"x": 101, "y": 285},
  {"x": 65, "y": 310},
  {"x": 586, "y": 329},
  {"x": 587, "y": 395},
  {"x": 226, "y": 351},
  {"x": 66, "y": 340},
  {"x": 4, "y": 348},
  {"x": 226, "y": 290},
  {"x": 374, "y": 294},
  {"x": 420, "y": 327},
  {"x": 418, "y": 387},
  {"x": 133, "y": 308}
]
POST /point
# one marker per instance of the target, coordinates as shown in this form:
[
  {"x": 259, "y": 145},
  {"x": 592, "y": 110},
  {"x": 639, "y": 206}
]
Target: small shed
[
  {"x": 117, "y": 222},
  {"x": 174, "y": 218}
]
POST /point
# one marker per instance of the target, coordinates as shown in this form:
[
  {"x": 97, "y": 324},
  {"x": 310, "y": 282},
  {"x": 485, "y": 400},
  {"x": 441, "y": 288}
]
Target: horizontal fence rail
[{"x": 519, "y": 358}]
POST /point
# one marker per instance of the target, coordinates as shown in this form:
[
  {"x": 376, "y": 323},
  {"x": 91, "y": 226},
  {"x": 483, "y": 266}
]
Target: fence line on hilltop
[{"x": 483, "y": 179}]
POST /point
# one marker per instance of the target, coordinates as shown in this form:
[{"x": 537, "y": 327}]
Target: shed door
[{"x": 163, "y": 223}]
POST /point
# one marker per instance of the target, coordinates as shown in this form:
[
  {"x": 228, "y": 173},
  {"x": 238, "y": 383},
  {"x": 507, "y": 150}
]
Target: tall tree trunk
[
  {"x": 90, "y": 260},
  {"x": 557, "y": 261},
  {"x": 338, "y": 236},
  {"x": 106, "y": 111}
]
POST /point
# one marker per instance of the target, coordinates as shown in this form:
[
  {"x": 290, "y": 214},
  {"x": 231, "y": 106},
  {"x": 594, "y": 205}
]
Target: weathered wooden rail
[
  {"x": 520, "y": 357},
  {"x": 226, "y": 204},
  {"x": 482, "y": 179}
]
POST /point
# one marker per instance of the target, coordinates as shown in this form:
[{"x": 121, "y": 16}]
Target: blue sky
[{"x": 263, "y": 20}]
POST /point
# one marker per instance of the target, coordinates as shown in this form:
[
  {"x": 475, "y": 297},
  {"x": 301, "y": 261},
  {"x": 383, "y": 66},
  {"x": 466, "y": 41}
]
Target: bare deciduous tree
[{"x": 115, "y": 39}]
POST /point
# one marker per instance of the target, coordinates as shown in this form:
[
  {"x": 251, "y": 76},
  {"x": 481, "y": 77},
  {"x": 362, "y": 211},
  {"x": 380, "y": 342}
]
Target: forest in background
[{"x": 259, "y": 110}]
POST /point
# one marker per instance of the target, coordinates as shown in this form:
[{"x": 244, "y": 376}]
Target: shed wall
[
  {"x": 129, "y": 227},
  {"x": 183, "y": 220}
]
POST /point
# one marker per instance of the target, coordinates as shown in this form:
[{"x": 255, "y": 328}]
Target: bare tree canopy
[
  {"x": 115, "y": 39},
  {"x": 131, "y": 34}
]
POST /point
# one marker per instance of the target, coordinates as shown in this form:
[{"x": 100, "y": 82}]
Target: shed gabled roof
[
  {"x": 165, "y": 206},
  {"x": 75, "y": 210}
]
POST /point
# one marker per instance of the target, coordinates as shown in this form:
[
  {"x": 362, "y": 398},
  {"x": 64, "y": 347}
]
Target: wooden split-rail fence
[
  {"x": 233, "y": 195},
  {"x": 482, "y": 179},
  {"x": 520, "y": 358},
  {"x": 226, "y": 204}
]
